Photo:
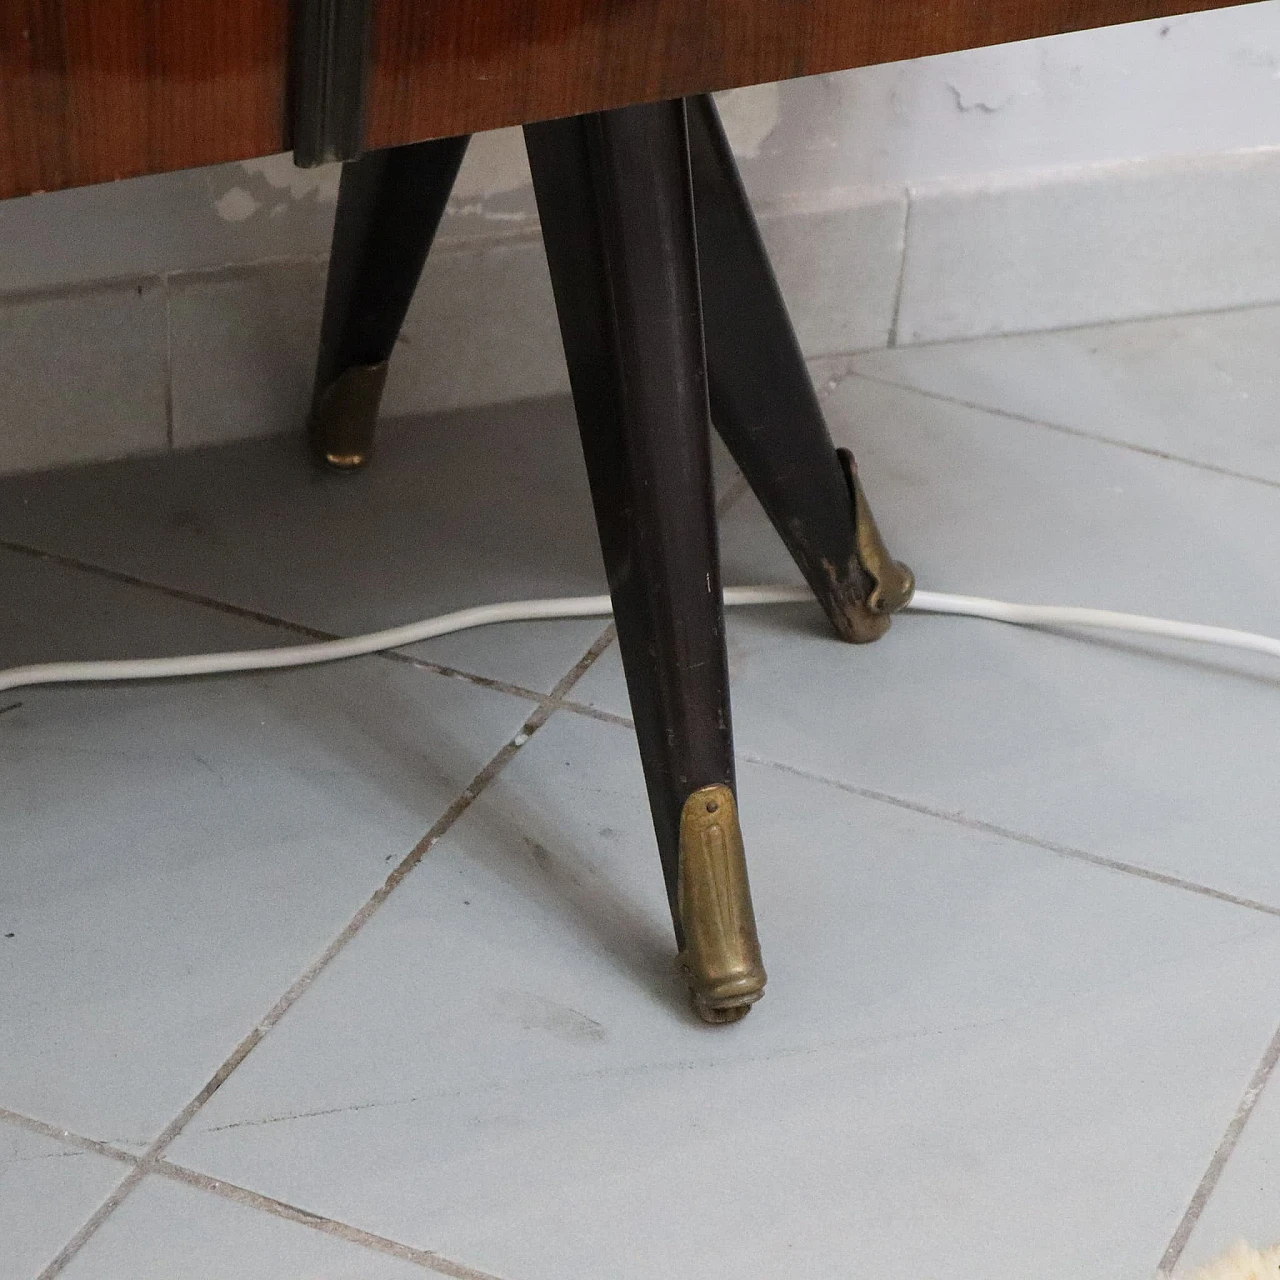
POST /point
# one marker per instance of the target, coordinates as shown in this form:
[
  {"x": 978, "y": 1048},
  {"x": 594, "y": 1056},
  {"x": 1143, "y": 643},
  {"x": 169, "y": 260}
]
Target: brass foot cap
[
  {"x": 729, "y": 1002},
  {"x": 344, "y": 461},
  {"x": 721, "y": 955},
  {"x": 717, "y": 1015},
  {"x": 344, "y": 416}
]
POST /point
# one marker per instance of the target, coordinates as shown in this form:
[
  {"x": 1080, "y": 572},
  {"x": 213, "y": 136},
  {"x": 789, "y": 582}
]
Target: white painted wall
[{"x": 1196, "y": 85}]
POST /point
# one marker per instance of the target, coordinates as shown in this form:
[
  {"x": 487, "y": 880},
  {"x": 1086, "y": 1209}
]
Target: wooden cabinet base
[{"x": 92, "y": 90}]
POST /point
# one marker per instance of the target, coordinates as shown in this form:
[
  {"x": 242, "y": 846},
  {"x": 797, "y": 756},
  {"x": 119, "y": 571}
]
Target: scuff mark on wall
[
  {"x": 281, "y": 174},
  {"x": 236, "y": 205},
  {"x": 981, "y": 84},
  {"x": 966, "y": 103},
  {"x": 263, "y": 182}
]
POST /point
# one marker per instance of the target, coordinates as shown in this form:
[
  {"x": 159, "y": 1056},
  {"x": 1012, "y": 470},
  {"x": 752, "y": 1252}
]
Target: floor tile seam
[
  {"x": 1080, "y": 326},
  {"x": 1026, "y": 839},
  {"x": 399, "y": 654},
  {"x": 1011, "y": 834},
  {"x": 492, "y": 683},
  {"x": 57, "y": 1133},
  {"x": 1075, "y": 433},
  {"x": 89, "y": 1227},
  {"x": 603, "y": 641},
  {"x": 1208, "y": 1183},
  {"x": 151, "y": 1157},
  {"x": 246, "y": 1197},
  {"x": 160, "y": 588},
  {"x": 595, "y": 713},
  {"x": 891, "y": 338}
]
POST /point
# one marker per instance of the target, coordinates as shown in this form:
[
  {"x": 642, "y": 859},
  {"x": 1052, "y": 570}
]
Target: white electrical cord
[{"x": 303, "y": 655}]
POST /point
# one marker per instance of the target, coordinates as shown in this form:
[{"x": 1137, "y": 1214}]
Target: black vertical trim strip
[{"x": 328, "y": 79}]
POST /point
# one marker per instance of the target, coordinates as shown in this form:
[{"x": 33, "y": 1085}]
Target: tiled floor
[{"x": 365, "y": 970}]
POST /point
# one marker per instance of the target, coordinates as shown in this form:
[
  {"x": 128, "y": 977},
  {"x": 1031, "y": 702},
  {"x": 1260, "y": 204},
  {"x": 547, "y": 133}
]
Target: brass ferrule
[
  {"x": 721, "y": 957},
  {"x": 345, "y": 415}
]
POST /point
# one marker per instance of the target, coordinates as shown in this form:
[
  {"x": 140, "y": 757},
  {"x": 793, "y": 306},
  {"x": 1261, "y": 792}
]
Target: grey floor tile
[
  {"x": 1146, "y": 751},
  {"x": 47, "y": 1190},
  {"x": 456, "y": 510},
  {"x": 165, "y": 1230},
  {"x": 1100, "y": 244},
  {"x": 82, "y": 377},
  {"x": 177, "y": 853},
  {"x": 1200, "y": 387},
  {"x": 1244, "y": 1205},
  {"x": 974, "y": 1059}
]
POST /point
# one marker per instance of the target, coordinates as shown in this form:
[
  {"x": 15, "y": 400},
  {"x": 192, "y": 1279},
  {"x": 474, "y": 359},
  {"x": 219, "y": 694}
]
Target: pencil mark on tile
[
  {"x": 286, "y": 1117},
  {"x": 595, "y": 713},
  {"x": 58, "y": 1134}
]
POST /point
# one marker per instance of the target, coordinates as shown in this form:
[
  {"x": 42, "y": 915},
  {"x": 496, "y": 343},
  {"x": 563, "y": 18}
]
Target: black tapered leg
[
  {"x": 615, "y": 201},
  {"x": 764, "y": 406},
  {"x": 389, "y": 206}
]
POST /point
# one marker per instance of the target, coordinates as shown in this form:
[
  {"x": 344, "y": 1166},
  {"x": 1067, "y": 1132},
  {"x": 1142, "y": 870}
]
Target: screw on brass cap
[
  {"x": 721, "y": 957},
  {"x": 345, "y": 415}
]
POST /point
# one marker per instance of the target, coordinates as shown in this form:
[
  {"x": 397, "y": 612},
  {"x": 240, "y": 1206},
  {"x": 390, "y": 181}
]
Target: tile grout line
[
  {"x": 168, "y": 361},
  {"x": 152, "y": 1160},
  {"x": 317, "y": 1222},
  {"x": 149, "y": 1161},
  {"x": 891, "y": 338},
  {"x": 152, "y": 1155},
  {"x": 457, "y": 673},
  {"x": 58, "y": 1134},
  {"x": 973, "y": 824},
  {"x": 87, "y": 1229},
  {"x": 735, "y": 490},
  {"x": 1018, "y": 837},
  {"x": 595, "y": 713},
  {"x": 175, "y": 593},
  {"x": 1075, "y": 432},
  {"x": 1150, "y": 317},
  {"x": 266, "y": 619},
  {"x": 247, "y": 1198},
  {"x": 1204, "y": 1190}
]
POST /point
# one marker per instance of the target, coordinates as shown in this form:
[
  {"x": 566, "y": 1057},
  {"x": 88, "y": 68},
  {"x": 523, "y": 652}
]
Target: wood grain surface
[
  {"x": 466, "y": 65},
  {"x": 92, "y": 90}
]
